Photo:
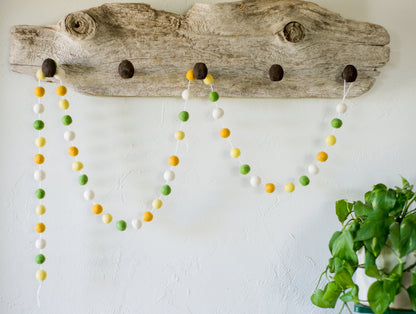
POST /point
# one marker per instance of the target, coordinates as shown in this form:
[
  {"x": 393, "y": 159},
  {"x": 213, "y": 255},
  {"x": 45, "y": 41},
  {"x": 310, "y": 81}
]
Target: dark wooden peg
[
  {"x": 276, "y": 72},
  {"x": 126, "y": 69},
  {"x": 200, "y": 71},
  {"x": 49, "y": 67},
  {"x": 350, "y": 73}
]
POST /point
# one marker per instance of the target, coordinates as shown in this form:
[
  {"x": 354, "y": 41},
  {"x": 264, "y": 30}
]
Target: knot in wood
[
  {"x": 294, "y": 32},
  {"x": 80, "y": 25}
]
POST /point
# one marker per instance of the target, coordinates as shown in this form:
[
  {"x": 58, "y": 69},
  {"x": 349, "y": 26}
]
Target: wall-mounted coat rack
[{"x": 238, "y": 41}]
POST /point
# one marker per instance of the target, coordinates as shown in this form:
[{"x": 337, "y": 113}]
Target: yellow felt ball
[
  {"x": 179, "y": 135},
  {"x": 208, "y": 80},
  {"x": 40, "y": 209},
  {"x": 269, "y": 187},
  {"x": 77, "y": 166},
  {"x": 148, "y": 216},
  {"x": 225, "y": 133},
  {"x": 40, "y": 141},
  {"x": 39, "y": 159},
  {"x": 40, "y": 75},
  {"x": 235, "y": 153},
  {"x": 331, "y": 140},
  {"x": 173, "y": 160},
  {"x": 289, "y": 187},
  {"x": 190, "y": 75},
  {"x": 97, "y": 209},
  {"x": 157, "y": 203},
  {"x": 107, "y": 218},
  {"x": 64, "y": 104},
  {"x": 40, "y": 227},
  {"x": 322, "y": 156},
  {"x": 39, "y": 91},
  {"x": 61, "y": 90},
  {"x": 73, "y": 151},
  {"x": 41, "y": 275}
]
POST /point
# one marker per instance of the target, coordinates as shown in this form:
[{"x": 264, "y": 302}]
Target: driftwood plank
[{"x": 238, "y": 41}]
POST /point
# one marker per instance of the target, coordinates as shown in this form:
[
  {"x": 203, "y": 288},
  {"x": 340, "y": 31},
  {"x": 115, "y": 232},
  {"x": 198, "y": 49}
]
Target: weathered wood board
[{"x": 238, "y": 41}]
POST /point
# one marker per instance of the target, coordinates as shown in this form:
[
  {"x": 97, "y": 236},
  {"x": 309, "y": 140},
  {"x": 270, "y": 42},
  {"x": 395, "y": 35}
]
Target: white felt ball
[
  {"x": 38, "y": 108},
  {"x": 186, "y": 94},
  {"x": 69, "y": 136},
  {"x": 136, "y": 223},
  {"x": 39, "y": 175},
  {"x": 89, "y": 195},
  {"x": 313, "y": 169},
  {"x": 341, "y": 108},
  {"x": 60, "y": 74},
  {"x": 40, "y": 244},
  {"x": 169, "y": 175},
  {"x": 255, "y": 181},
  {"x": 217, "y": 113}
]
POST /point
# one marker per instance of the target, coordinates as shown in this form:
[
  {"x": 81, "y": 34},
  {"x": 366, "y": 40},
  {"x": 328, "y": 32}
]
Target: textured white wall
[{"x": 218, "y": 246}]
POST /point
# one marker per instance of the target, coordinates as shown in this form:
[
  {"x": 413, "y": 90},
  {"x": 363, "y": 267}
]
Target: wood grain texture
[{"x": 238, "y": 41}]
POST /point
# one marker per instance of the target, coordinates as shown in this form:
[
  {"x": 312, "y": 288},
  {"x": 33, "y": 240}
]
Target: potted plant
[{"x": 374, "y": 233}]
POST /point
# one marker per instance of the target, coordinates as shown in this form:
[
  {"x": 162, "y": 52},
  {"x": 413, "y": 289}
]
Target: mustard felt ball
[
  {"x": 83, "y": 179},
  {"x": 40, "y": 141},
  {"x": 40, "y": 210},
  {"x": 64, "y": 104},
  {"x": 40, "y": 75},
  {"x": 40, "y": 193},
  {"x": 38, "y": 125},
  {"x": 331, "y": 140},
  {"x": 173, "y": 161},
  {"x": 41, "y": 275},
  {"x": 179, "y": 135},
  {"x": 121, "y": 225},
  {"x": 235, "y": 153},
  {"x": 165, "y": 189},
  {"x": 147, "y": 216},
  {"x": 61, "y": 90},
  {"x": 224, "y": 133},
  {"x": 157, "y": 204},
  {"x": 208, "y": 80},
  {"x": 73, "y": 151},
  {"x": 107, "y": 218},
  {"x": 289, "y": 187},
  {"x": 190, "y": 75},
  {"x": 269, "y": 188},
  {"x": 97, "y": 209},
  {"x": 39, "y": 159},
  {"x": 322, "y": 156},
  {"x": 66, "y": 120},
  {"x": 39, "y": 91},
  {"x": 77, "y": 166},
  {"x": 40, "y": 227}
]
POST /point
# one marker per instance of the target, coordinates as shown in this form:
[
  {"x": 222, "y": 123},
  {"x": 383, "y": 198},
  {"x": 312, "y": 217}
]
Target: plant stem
[
  {"x": 320, "y": 277},
  {"x": 340, "y": 310},
  {"x": 348, "y": 308},
  {"x": 408, "y": 205}
]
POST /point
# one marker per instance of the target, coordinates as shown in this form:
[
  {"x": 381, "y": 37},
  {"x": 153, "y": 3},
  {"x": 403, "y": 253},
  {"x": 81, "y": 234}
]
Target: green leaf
[
  {"x": 395, "y": 235},
  {"x": 407, "y": 235},
  {"x": 361, "y": 209},
  {"x": 367, "y": 198},
  {"x": 344, "y": 279},
  {"x": 412, "y": 296},
  {"x": 378, "y": 298},
  {"x": 376, "y": 225},
  {"x": 383, "y": 199},
  {"x": 406, "y": 184},
  {"x": 375, "y": 245},
  {"x": 328, "y": 297},
  {"x": 335, "y": 263},
  {"x": 333, "y": 238},
  {"x": 351, "y": 296},
  {"x": 342, "y": 210},
  {"x": 370, "y": 265},
  {"x": 343, "y": 248},
  {"x": 392, "y": 284},
  {"x": 413, "y": 277}
]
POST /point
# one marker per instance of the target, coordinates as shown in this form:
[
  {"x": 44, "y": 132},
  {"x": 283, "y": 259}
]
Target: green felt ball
[
  {"x": 304, "y": 180},
  {"x": 213, "y": 96},
  {"x": 336, "y": 123},
  {"x": 40, "y": 193},
  {"x": 244, "y": 169},
  {"x": 183, "y": 116},
  {"x": 66, "y": 120},
  {"x": 165, "y": 189},
  {"x": 83, "y": 179},
  {"x": 40, "y": 259},
  {"x": 121, "y": 225},
  {"x": 38, "y": 125}
]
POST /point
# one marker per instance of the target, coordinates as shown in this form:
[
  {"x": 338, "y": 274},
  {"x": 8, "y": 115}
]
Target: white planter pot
[{"x": 385, "y": 261}]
